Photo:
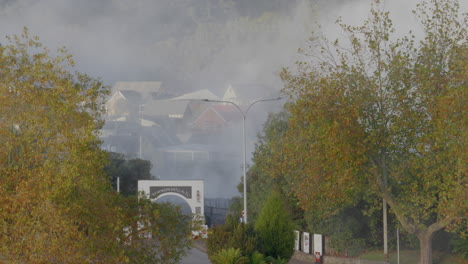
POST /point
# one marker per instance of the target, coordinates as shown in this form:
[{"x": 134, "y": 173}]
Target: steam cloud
[
  {"x": 185, "y": 43},
  {"x": 166, "y": 40}
]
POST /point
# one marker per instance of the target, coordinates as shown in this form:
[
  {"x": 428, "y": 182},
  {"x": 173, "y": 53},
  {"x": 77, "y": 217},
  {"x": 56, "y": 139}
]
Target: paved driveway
[{"x": 196, "y": 256}]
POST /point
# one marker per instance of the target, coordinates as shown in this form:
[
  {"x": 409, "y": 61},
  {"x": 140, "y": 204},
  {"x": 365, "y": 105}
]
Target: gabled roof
[
  {"x": 131, "y": 96},
  {"x": 147, "y": 123},
  {"x": 205, "y": 114},
  {"x": 245, "y": 93},
  {"x": 197, "y": 95},
  {"x": 172, "y": 109},
  {"x": 230, "y": 95},
  {"x": 148, "y": 90},
  {"x": 228, "y": 111},
  {"x": 142, "y": 87}
]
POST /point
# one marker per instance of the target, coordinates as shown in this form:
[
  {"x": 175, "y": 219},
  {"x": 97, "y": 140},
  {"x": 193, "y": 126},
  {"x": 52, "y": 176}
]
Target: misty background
[{"x": 190, "y": 45}]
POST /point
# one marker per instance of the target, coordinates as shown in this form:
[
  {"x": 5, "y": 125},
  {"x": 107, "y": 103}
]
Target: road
[{"x": 196, "y": 256}]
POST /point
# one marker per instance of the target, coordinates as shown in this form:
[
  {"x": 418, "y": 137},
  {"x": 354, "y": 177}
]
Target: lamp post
[{"x": 244, "y": 115}]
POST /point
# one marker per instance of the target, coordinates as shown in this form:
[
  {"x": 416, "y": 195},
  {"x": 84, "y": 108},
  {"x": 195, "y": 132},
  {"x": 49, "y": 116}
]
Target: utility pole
[{"x": 244, "y": 115}]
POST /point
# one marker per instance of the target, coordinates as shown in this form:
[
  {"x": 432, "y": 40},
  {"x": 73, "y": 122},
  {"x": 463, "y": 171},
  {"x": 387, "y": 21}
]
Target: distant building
[
  {"x": 128, "y": 97},
  {"x": 182, "y": 135}
]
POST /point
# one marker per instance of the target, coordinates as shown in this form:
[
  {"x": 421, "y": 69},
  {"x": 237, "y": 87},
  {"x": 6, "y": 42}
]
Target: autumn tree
[
  {"x": 260, "y": 184},
  {"x": 56, "y": 202},
  {"x": 386, "y": 116},
  {"x": 50, "y": 164},
  {"x": 349, "y": 227}
]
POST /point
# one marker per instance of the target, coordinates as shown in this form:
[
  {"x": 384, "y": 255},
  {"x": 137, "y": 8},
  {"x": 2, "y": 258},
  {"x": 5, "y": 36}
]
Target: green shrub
[
  {"x": 218, "y": 239},
  {"x": 257, "y": 258},
  {"x": 279, "y": 260},
  {"x": 460, "y": 246},
  {"x": 275, "y": 228},
  {"x": 230, "y": 256},
  {"x": 232, "y": 235}
]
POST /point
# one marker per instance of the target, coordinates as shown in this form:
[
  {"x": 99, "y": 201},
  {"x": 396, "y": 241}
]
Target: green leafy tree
[
  {"x": 275, "y": 228},
  {"x": 129, "y": 172},
  {"x": 387, "y": 116},
  {"x": 260, "y": 181}
]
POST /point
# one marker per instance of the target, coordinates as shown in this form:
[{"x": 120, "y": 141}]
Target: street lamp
[{"x": 244, "y": 115}]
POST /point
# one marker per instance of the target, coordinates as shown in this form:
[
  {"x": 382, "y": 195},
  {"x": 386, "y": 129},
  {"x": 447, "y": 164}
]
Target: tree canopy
[
  {"x": 129, "y": 172},
  {"x": 51, "y": 164},
  {"x": 383, "y": 115},
  {"x": 56, "y": 202}
]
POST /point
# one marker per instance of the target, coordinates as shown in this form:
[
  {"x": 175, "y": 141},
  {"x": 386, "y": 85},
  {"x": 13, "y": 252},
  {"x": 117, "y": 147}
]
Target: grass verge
[{"x": 411, "y": 257}]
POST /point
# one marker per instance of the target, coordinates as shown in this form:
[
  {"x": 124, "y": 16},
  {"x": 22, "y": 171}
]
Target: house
[
  {"x": 149, "y": 90},
  {"x": 123, "y": 103},
  {"x": 197, "y": 96},
  {"x": 128, "y": 97},
  {"x": 243, "y": 94}
]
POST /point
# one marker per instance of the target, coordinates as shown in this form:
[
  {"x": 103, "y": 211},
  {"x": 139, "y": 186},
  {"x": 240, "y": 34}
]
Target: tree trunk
[{"x": 425, "y": 246}]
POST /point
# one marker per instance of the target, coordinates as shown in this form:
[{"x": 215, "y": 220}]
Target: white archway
[{"x": 192, "y": 191}]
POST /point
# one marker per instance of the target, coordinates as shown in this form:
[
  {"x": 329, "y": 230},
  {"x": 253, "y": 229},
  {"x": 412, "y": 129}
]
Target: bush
[
  {"x": 257, "y": 258},
  {"x": 460, "y": 246},
  {"x": 279, "y": 260},
  {"x": 232, "y": 235},
  {"x": 275, "y": 228},
  {"x": 229, "y": 256}
]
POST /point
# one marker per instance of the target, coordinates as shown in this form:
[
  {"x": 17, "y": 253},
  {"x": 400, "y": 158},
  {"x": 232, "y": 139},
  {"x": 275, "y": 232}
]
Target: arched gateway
[{"x": 192, "y": 191}]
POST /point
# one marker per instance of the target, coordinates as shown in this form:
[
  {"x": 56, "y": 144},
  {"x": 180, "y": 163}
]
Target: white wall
[{"x": 191, "y": 191}]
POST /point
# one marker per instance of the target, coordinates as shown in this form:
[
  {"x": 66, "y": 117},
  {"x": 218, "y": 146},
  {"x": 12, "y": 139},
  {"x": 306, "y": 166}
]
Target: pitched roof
[
  {"x": 197, "y": 95},
  {"x": 138, "y": 86},
  {"x": 209, "y": 115},
  {"x": 131, "y": 96},
  {"x": 245, "y": 93},
  {"x": 146, "y": 89},
  {"x": 173, "y": 109}
]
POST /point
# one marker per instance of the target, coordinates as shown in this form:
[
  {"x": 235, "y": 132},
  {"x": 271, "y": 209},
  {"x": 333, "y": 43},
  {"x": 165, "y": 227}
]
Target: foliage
[
  {"x": 279, "y": 260},
  {"x": 460, "y": 246},
  {"x": 275, "y": 228},
  {"x": 260, "y": 181},
  {"x": 129, "y": 172},
  {"x": 229, "y": 256},
  {"x": 383, "y": 115},
  {"x": 257, "y": 258},
  {"x": 157, "y": 232},
  {"x": 237, "y": 205},
  {"x": 56, "y": 203},
  {"x": 232, "y": 234},
  {"x": 218, "y": 239},
  {"x": 349, "y": 230}
]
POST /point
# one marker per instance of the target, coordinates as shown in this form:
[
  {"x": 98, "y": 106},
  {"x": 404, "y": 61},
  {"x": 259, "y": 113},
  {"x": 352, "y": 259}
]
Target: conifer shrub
[{"x": 275, "y": 228}]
